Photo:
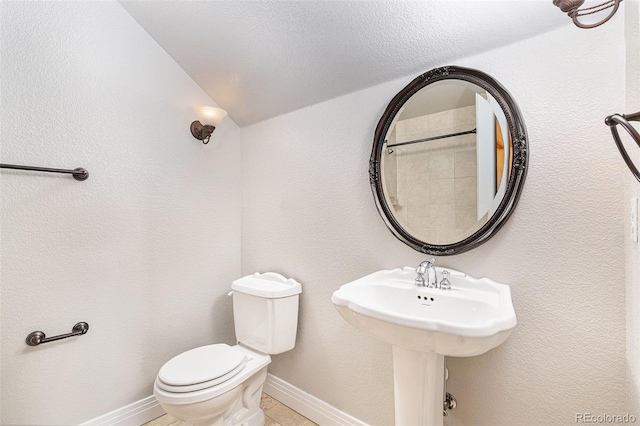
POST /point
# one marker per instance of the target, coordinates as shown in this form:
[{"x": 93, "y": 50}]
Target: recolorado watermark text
[{"x": 605, "y": 418}]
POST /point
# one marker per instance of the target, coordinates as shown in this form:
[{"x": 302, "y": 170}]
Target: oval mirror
[{"x": 449, "y": 160}]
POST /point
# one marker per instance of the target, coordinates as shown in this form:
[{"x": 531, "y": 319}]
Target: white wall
[
  {"x": 632, "y": 250},
  {"x": 144, "y": 250},
  {"x": 308, "y": 212}
]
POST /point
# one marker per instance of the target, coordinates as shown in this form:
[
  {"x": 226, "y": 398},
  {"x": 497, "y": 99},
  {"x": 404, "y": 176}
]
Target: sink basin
[
  {"x": 424, "y": 325},
  {"x": 476, "y": 315}
]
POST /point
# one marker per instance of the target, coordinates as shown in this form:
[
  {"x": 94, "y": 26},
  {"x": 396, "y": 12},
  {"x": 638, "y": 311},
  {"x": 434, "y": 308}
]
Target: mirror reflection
[{"x": 446, "y": 161}]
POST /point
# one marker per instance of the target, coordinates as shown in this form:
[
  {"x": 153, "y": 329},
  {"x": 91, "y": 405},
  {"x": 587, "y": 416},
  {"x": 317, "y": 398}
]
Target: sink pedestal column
[{"x": 418, "y": 381}]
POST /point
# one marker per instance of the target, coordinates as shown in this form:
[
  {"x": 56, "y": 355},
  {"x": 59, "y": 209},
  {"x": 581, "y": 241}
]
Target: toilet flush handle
[{"x": 230, "y": 293}]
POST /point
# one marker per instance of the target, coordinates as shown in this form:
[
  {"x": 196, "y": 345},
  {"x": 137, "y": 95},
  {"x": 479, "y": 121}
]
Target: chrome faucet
[{"x": 424, "y": 268}]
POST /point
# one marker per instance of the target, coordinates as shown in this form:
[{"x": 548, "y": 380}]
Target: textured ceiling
[{"x": 261, "y": 59}]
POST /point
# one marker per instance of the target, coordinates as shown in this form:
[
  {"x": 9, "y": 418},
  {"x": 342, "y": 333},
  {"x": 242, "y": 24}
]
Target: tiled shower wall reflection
[{"x": 433, "y": 185}]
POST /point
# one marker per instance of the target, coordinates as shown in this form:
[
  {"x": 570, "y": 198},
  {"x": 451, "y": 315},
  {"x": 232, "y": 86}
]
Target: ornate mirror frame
[{"x": 518, "y": 135}]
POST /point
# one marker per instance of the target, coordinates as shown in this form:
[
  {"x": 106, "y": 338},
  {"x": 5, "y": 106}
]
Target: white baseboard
[
  {"x": 135, "y": 414},
  {"x": 315, "y": 409},
  {"x": 308, "y": 405}
]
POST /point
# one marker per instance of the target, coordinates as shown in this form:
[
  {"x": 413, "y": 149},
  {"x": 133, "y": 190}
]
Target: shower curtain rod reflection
[
  {"x": 468, "y": 132},
  {"x": 623, "y": 120},
  {"x": 78, "y": 174}
]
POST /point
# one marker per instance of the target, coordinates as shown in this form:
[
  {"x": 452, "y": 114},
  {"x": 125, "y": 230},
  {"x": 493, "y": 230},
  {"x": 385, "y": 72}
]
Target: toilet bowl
[
  {"x": 201, "y": 399},
  {"x": 220, "y": 384}
]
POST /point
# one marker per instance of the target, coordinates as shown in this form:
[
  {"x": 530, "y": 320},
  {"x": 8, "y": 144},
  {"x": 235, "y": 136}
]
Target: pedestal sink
[{"x": 424, "y": 325}]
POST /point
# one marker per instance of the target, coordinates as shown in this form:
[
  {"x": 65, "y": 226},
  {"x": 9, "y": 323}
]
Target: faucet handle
[
  {"x": 445, "y": 284},
  {"x": 420, "y": 271}
]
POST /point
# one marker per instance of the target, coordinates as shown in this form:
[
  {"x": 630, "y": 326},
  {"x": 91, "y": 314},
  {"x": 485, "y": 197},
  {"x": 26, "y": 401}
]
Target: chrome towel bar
[
  {"x": 78, "y": 174},
  {"x": 37, "y": 337},
  {"x": 433, "y": 138}
]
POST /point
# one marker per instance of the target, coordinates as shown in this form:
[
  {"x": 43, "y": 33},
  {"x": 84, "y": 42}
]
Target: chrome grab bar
[
  {"x": 78, "y": 174},
  {"x": 37, "y": 337}
]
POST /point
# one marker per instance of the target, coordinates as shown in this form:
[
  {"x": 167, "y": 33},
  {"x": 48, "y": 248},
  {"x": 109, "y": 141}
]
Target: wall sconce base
[{"x": 201, "y": 131}]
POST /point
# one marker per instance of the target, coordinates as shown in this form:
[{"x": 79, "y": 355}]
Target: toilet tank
[{"x": 265, "y": 312}]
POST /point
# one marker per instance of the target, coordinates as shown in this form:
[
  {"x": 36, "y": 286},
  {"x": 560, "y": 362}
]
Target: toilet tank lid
[{"x": 270, "y": 285}]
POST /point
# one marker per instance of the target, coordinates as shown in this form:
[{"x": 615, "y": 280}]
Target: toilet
[{"x": 220, "y": 384}]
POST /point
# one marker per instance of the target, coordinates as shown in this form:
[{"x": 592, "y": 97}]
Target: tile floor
[{"x": 277, "y": 414}]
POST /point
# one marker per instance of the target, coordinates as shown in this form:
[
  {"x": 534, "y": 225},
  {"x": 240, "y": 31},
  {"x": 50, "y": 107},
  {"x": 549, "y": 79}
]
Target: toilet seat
[
  {"x": 255, "y": 361},
  {"x": 201, "y": 368}
]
